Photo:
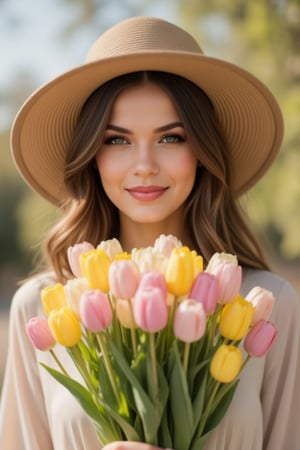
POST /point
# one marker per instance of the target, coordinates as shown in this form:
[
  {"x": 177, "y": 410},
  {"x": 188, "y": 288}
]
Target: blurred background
[{"x": 39, "y": 39}]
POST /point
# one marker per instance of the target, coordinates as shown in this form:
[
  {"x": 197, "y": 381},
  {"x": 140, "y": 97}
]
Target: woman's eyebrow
[
  {"x": 119, "y": 129},
  {"x": 168, "y": 126}
]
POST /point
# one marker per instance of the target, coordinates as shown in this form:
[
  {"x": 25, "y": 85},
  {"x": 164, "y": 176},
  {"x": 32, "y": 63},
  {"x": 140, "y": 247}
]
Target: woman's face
[{"x": 146, "y": 162}]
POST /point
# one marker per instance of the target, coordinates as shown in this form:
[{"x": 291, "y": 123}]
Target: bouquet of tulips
[{"x": 155, "y": 337}]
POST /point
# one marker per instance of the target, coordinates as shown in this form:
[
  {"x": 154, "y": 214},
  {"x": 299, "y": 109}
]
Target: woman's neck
[{"x": 139, "y": 235}]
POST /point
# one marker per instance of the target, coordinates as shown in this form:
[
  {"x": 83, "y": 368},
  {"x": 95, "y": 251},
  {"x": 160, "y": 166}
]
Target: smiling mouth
[{"x": 146, "y": 193}]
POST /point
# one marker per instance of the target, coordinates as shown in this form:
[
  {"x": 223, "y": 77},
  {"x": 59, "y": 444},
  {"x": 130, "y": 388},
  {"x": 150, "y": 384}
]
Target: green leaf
[
  {"x": 200, "y": 442},
  {"x": 164, "y": 432},
  {"x": 105, "y": 386},
  {"x": 192, "y": 374},
  {"x": 181, "y": 405},
  {"x": 162, "y": 390},
  {"x": 198, "y": 402},
  {"x": 87, "y": 403},
  {"x": 128, "y": 430},
  {"x": 144, "y": 406},
  {"x": 221, "y": 407}
]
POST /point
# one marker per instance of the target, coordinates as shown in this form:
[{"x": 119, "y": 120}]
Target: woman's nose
[{"x": 145, "y": 160}]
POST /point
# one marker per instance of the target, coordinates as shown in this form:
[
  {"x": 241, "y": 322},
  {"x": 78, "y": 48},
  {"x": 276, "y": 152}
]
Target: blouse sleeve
[
  {"x": 23, "y": 419},
  {"x": 281, "y": 384}
]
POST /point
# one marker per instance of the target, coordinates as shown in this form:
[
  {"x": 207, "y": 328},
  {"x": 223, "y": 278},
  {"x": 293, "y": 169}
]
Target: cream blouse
[{"x": 37, "y": 413}]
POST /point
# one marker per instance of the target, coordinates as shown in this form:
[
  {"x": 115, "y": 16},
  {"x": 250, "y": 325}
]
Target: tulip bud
[
  {"x": 39, "y": 333},
  {"x": 221, "y": 258},
  {"x": 165, "y": 244},
  {"x": 74, "y": 256},
  {"x": 189, "y": 321},
  {"x": 230, "y": 279},
  {"x": 148, "y": 259},
  {"x": 260, "y": 338},
  {"x": 65, "y": 326},
  {"x": 95, "y": 310},
  {"x": 153, "y": 278},
  {"x": 123, "y": 278},
  {"x": 226, "y": 363},
  {"x": 124, "y": 311},
  {"x": 73, "y": 290},
  {"x": 263, "y": 302},
  {"x": 205, "y": 290},
  {"x": 53, "y": 297},
  {"x": 111, "y": 247},
  {"x": 236, "y": 318},
  {"x": 180, "y": 273},
  {"x": 95, "y": 266},
  {"x": 150, "y": 309}
]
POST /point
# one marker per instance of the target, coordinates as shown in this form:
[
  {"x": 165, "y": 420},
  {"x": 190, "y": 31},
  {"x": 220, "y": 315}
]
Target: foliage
[{"x": 263, "y": 37}]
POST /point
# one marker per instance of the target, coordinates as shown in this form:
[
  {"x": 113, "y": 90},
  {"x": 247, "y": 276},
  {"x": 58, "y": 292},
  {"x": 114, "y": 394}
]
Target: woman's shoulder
[{"x": 27, "y": 300}]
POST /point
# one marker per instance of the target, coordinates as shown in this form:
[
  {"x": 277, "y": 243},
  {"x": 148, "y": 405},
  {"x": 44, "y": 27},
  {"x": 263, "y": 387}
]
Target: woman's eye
[
  {"x": 115, "y": 140},
  {"x": 172, "y": 139}
]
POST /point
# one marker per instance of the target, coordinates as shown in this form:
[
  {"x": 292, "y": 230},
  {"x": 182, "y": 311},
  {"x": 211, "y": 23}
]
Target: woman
[{"x": 149, "y": 137}]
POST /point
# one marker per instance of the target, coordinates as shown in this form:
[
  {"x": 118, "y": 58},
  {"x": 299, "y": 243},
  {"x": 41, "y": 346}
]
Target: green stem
[
  {"x": 59, "y": 363},
  {"x": 153, "y": 360},
  {"x": 186, "y": 353},
  {"x": 248, "y": 357},
  {"x": 133, "y": 341},
  {"x": 171, "y": 321},
  {"x": 212, "y": 329},
  {"x": 108, "y": 367},
  {"x": 208, "y": 409},
  {"x": 80, "y": 364},
  {"x": 133, "y": 331},
  {"x": 223, "y": 390}
]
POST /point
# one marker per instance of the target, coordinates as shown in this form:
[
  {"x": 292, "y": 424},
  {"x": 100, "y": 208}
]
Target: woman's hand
[{"x": 130, "y": 446}]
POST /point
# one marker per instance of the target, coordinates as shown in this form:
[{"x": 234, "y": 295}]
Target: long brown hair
[{"x": 213, "y": 216}]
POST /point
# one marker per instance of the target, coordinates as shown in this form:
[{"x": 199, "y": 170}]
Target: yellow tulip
[
  {"x": 198, "y": 263},
  {"x": 226, "y": 363},
  {"x": 236, "y": 318},
  {"x": 95, "y": 265},
  {"x": 123, "y": 255},
  {"x": 65, "y": 326},
  {"x": 180, "y": 272},
  {"x": 53, "y": 297}
]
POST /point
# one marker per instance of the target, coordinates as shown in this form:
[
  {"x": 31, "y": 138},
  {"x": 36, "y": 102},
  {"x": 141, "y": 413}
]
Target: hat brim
[{"x": 247, "y": 110}]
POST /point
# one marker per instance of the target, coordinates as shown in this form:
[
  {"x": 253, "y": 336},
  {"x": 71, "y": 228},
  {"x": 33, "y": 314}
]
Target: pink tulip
[
  {"x": 230, "y": 280},
  {"x": 153, "y": 278},
  {"x": 189, "y": 321},
  {"x": 260, "y": 338},
  {"x": 74, "y": 253},
  {"x": 123, "y": 278},
  {"x": 95, "y": 310},
  {"x": 165, "y": 244},
  {"x": 39, "y": 333},
  {"x": 263, "y": 302},
  {"x": 205, "y": 290},
  {"x": 150, "y": 309}
]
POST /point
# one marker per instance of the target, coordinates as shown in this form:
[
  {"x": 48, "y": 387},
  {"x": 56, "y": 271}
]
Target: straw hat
[{"x": 247, "y": 110}]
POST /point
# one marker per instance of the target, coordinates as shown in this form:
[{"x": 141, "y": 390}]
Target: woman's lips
[{"x": 146, "y": 193}]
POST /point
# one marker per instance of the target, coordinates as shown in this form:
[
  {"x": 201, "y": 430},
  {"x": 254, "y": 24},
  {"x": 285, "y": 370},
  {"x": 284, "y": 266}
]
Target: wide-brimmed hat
[{"x": 248, "y": 112}]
